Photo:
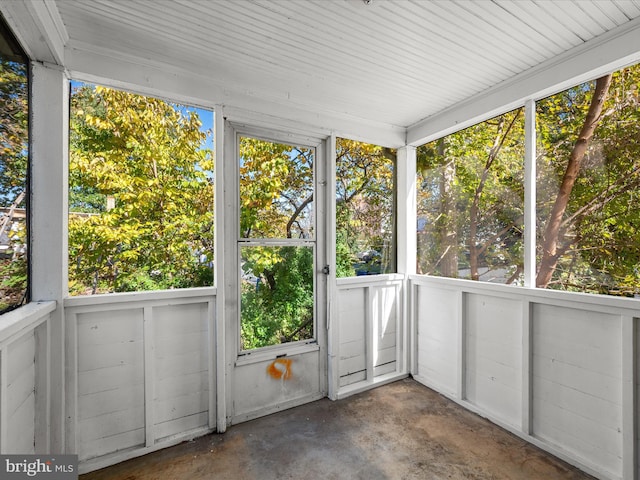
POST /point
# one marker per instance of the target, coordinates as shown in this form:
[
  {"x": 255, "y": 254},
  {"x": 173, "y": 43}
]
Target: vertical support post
[
  {"x": 527, "y": 367},
  {"x": 43, "y": 387},
  {"x": 407, "y": 210},
  {"x": 322, "y": 257},
  {"x": 368, "y": 330},
  {"x": 462, "y": 345},
  {"x": 149, "y": 375},
  {"x": 229, "y": 309},
  {"x": 48, "y": 205},
  {"x": 221, "y": 253},
  {"x": 406, "y": 246},
  {"x": 212, "y": 361},
  {"x": 71, "y": 381},
  {"x": 629, "y": 399},
  {"x": 530, "y": 194},
  {"x": 414, "y": 307},
  {"x": 333, "y": 337}
]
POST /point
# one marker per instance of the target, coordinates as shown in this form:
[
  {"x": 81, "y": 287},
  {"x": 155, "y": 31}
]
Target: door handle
[{"x": 326, "y": 270}]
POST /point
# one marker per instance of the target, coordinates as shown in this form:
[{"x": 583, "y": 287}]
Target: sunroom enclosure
[{"x": 114, "y": 376}]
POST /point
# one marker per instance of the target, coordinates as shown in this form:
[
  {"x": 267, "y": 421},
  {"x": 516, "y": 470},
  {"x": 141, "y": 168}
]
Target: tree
[
  {"x": 550, "y": 252},
  {"x": 14, "y": 146},
  {"x": 365, "y": 208},
  {"x": 589, "y": 176},
  {"x": 470, "y": 201},
  {"x": 141, "y": 195},
  {"x": 276, "y": 203}
]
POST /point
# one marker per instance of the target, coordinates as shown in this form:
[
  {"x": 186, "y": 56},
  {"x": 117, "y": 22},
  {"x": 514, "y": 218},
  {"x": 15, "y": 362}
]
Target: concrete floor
[{"x": 399, "y": 431}]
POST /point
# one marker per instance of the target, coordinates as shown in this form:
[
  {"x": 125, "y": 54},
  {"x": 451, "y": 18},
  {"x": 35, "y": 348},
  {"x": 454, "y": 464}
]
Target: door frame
[{"x": 228, "y": 275}]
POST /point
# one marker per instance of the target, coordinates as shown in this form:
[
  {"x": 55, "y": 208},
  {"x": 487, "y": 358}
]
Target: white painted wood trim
[
  {"x": 365, "y": 385},
  {"x": 530, "y": 194},
  {"x": 605, "y": 53},
  {"x": 149, "y": 376},
  {"x": 212, "y": 362},
  {"x": 4, "y": 414},
  {"x": 598, "y": 303},
  {"x": 629, "y": 400},
  {"x": 401, "y": 329},
  {"x": 230, "y": 307},
  {"x": 369, "y": 332},
  {"x": 527, "y": 368},
  {"x": 406, "y": 210},
  {"x": 123, "y": 455},
  {"x": 220, "y": 269},
  {"x": 15, "y": 323},
  {"x": 413, "y": 325},
  {"x": 333, "y": 326},
  {"x": 51, "y": 27},
  {"x": 42, "y": 389},
  {"x": 129, "y": 297},
  {"x": 71, "y": 397},
  {"x": 322, "y": 281},
  {"x": 369, "y": 280},
  {"x": 163, "y": 80},
  {"x": 260, "y": 356},
  {"x": 49, "y": 123},
  {"x": 461, "y": 322}
]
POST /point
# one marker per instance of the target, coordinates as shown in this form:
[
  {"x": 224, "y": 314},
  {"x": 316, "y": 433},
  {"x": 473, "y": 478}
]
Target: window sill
[{"x": 258, "y": 356}]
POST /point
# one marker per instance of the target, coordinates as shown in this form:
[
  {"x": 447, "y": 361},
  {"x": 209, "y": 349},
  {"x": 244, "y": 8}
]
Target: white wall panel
[
  {"x": 25, "y": 425},
  {"x": 494, "y": 355},
  {"x": 385, "y": 315},
  {"x": 110, "y": 382},
  {"x": 142, "y": 376},
  {"x": 181, "y": 391},
  {"x": 352, "y": 314},
  {"x": 577, "y": 378},
  {"x": 371, "y": 331},
  {"x": 436, "y": 313},
  {"x": 283, "y": 382},
  {"x": 20, "y": 395}
]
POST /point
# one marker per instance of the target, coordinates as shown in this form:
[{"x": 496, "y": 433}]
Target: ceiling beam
[
  {"x": 607, "y": 52},
  {"x": 39, "y": 28}
]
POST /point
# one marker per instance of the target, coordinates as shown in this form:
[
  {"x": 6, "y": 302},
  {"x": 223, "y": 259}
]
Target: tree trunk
[
  {"x": 552, "y": 234},
  {"x": 448, "y": 232}
]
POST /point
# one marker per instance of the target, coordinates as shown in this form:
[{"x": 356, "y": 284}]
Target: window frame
[{"x": 240, "y": 242}]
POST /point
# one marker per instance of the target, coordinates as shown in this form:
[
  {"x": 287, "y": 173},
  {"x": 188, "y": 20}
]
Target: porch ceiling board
[{"x": 394, "y": 62}]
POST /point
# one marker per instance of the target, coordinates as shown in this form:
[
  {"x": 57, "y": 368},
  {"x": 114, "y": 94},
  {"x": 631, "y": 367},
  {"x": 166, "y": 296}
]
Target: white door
[{"x": 274, "y": 271}]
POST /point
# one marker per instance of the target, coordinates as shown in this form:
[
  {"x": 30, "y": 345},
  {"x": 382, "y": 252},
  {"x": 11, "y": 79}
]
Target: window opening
[
  {"x": 365, "y": 209},
  {"x": 588, "y": 164},
  {"x": 14, "y": 167},
  {"x": 140, "y": 193},
  {"x": 277, "y": 242},
  {"x": 470, "y": 202}
]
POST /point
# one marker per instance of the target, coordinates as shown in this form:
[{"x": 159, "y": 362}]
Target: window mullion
[{"x": 530, "y": 195}]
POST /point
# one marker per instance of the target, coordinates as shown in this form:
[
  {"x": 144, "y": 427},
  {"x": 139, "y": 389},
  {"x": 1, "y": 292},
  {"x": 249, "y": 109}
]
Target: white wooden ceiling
[{"x": 395, "y": 62}]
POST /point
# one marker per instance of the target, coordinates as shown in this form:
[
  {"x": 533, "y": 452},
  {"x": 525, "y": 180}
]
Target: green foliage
[
  {"x": 276, "y": 202},
  {"x": 276, "y": 190},
  {"x": 277, "y": 307},
  {"x": 470, "y": 198},
  {"x": 365, "y": 209},
  {"x": 14, "y": 114},
  {"x": 144, "y": 155},
  {"x": 601, "y": 225},
  {"x": 13, "y": 282},
  {"x": 471, "y": 201}
]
